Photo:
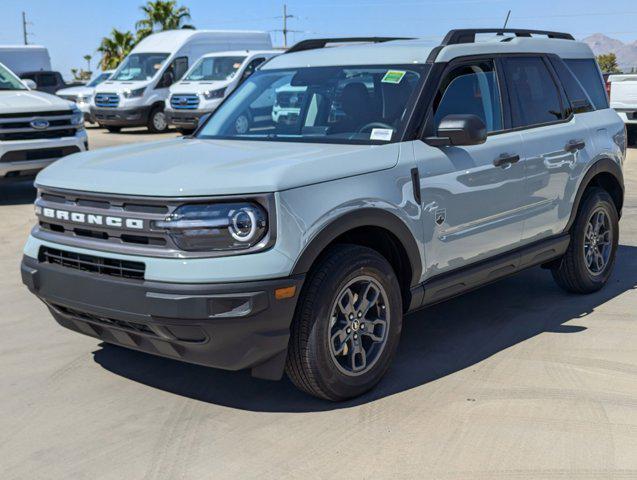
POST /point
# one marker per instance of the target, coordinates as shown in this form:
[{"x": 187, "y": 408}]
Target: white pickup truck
[{"x": 623, "y": 98}]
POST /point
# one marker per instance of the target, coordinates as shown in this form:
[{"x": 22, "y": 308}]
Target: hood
[
  {"x": 192, "y": 167},
  {"x": 198, "y": 87},
  {"x": 25, "y": 101},
  {"x": 76, "y": 91},
  {"x": 111, "y": 86}
]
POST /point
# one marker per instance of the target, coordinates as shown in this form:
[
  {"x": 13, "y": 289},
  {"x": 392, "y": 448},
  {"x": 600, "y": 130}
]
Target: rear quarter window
[
  {"x": 587, "y": 72},
  {"x": 575, "y": 92}
]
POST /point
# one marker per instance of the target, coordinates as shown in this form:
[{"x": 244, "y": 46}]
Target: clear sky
[{"x": 74, "y": 28}]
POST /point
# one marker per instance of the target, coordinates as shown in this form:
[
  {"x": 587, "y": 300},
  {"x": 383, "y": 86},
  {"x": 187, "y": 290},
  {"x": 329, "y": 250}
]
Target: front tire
[
  {"x": 157, "y": 121},
  {"x": 347, "y": 324},
  {"x": 590, "y": 257}
]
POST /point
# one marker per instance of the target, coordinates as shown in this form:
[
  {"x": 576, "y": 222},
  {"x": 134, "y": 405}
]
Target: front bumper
[
  {"x": 184, "y": 118},
  {"x": 14, "y": 155},
  {"x": 628, "y": 115},
  {"x": 230, "y": 326},
  {"x": 121, "y": 117}
]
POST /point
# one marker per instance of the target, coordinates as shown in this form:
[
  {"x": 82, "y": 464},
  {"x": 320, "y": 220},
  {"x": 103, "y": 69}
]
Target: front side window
[
  {"x": 210, "y": 69},
  {"x": 587, "y": 72},
  {"x": 140, "y": 66},
  {"x": 320, "y": 104},
  {"x": 535, "y": 99},
  {"x": 8, "y": 81},
  {"x": 470, "y": 89}
]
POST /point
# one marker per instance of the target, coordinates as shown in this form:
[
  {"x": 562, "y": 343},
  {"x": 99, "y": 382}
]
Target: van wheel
[
  {"x": 157, "y": 122},
  {"x": 347, "y": 324},
  {"x": 590, "y": 257},
  {"x": 113, "y": 129}
]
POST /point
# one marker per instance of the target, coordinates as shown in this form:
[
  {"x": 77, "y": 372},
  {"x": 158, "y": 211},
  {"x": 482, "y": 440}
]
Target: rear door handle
[
  {"x": 506, "y": 159},
  {"x": 575, "y": 145}
]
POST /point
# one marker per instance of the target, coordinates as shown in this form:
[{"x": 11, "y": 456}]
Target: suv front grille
[
  {"x": 93, "y": 263},
  {"x": 108, "y": 100},
  {"x": 184, "y": 102},
  {"x": 35, "y": 126}
]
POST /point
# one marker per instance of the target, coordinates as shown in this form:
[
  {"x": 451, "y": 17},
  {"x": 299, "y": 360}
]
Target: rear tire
[
  {"x": 336, "y": 351},
  {"x": 157, "y": 122},
  {"x": 113, "y": 129},
  {"x": 590, "y": 257}
]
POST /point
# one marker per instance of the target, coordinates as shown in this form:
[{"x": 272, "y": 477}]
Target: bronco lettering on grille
[{"x": 90, "y": 218}]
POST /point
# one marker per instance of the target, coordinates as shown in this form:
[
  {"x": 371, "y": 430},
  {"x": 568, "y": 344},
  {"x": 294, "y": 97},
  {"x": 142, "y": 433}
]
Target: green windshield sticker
[{"x": 393, "y": 76}]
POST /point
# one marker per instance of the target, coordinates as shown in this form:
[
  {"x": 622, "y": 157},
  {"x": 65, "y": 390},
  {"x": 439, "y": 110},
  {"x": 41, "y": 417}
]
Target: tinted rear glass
[
  {"x": 587, "y": 72},
  {"x": 578, "y": 98},
  {"x": 535, "y": 99}
]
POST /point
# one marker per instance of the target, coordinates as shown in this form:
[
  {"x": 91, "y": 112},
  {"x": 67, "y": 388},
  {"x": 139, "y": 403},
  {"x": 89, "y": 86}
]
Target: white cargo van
[
  {"x": 135, "y": 95},
  {"x": 211, "y": 79},
  {"x": 25, "y": 58},
  {"x": 623, "y": 98}
]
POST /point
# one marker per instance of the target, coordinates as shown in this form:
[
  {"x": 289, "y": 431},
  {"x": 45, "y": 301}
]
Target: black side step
[{"x": 447, "y": 285}]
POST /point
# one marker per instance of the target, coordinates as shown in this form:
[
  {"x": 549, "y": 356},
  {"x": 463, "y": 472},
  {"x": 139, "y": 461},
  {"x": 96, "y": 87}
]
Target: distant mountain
[{"x": 626, "y": 52}]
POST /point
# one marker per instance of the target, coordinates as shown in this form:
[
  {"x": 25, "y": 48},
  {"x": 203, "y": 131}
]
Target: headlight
[
  {"x": 134, "y": 93},
  {"x": 83, "y": 98},
  {"x": 217, "y": 227},
  {"x": 77, "y": 117},
  {"x": 212, "y": 94}
]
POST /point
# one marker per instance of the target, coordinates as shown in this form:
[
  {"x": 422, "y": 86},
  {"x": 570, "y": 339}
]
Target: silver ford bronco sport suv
[{"x": 402, "y": 174}]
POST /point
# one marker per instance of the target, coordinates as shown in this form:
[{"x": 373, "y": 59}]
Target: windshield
[
  {"x": 215, "y": 68},
  {"x": 320, "y": 104},
  {"x": 99, "y": 79},
  {"x": 8, "y": 81},
  {"x": 140, "y": 66}
]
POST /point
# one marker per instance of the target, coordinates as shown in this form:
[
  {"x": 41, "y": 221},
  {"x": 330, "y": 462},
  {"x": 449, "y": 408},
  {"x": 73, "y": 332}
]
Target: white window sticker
[
  {"x": 383, "y": 134},
  {"x": 393, "y": 76}
]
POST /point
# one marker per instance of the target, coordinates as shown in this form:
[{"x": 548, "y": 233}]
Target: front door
[{"x": 471, "y": 196}]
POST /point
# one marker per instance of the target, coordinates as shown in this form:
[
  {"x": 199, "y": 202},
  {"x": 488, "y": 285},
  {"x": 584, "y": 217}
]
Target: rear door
[
  {"x": 556, "y": 141},
  {"x": 471, "y": 198}
]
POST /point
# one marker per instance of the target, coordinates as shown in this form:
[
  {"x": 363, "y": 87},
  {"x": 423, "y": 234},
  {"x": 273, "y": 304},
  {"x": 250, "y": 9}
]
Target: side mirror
[
  {"x": 30, "y": 84},
  {"x": 166, "y": 79},
  {"x": 459, "y": 130}
]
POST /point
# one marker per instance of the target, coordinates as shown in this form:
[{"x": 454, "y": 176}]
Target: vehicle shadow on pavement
[
  {"x": 17, "y": 193},
  {"x": 436, "y": 342}
]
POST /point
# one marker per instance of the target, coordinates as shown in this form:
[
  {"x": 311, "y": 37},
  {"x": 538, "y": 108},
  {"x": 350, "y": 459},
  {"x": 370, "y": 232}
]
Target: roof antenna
[{"x": 507, "y": 20}]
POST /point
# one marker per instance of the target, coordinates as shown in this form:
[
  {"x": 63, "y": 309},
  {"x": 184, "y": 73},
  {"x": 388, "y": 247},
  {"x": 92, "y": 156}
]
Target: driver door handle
[{"x": 506, "y": 159}]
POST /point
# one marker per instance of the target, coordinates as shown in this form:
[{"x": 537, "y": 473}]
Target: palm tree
[
  {"x": 88, "y": 61},
  {"x": 162, "y": 15},
  {"x": 115, "y": 48}
]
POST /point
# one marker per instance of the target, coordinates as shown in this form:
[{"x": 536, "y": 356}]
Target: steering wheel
[{"x": 370, "y": 126}]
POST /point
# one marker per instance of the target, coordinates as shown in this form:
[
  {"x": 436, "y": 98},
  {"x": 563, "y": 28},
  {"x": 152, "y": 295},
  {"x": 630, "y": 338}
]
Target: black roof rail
[
  {"x": 468, "y": 35},
  {"x": 316, "y": 43}
]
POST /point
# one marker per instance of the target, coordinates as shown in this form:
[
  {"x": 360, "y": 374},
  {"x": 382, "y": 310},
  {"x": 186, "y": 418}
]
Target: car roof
[
  {"x": 418, "y": 51},
  {"x": 242, "y": 52}
]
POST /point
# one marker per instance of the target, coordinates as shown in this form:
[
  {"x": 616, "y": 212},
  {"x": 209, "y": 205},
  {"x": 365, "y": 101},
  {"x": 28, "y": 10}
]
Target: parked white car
[
  {"x": 83, "y": 94},
  {"x": 136, "y": 93},
  {"x": 623, "y": 98},
  {"x": 36, "y": 128},
  {"x": 208, "y": 82}
]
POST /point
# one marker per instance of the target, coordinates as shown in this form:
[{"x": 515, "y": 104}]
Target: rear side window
[
  {"x": 578, "y": 98},
  {"x": 587, "y": 72},
  {"x": 470, "y": 89},
  {"x": 535, "y": 99}
]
